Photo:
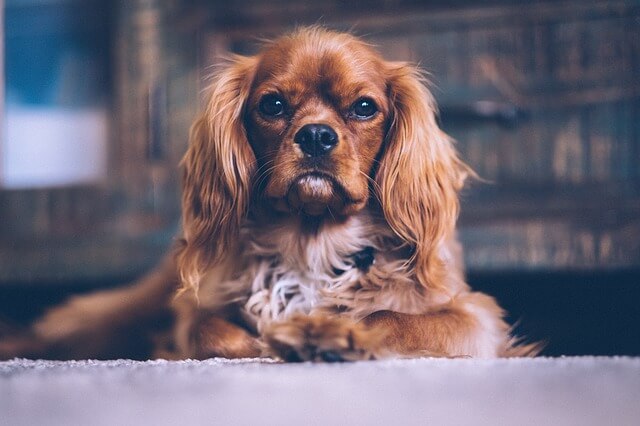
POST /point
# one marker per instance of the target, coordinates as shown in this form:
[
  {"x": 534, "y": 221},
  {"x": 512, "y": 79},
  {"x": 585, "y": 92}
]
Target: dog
[{"x": 319, "y": 207}]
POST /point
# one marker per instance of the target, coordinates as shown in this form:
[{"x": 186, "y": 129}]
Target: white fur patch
[{"x": 284, "y": 270}]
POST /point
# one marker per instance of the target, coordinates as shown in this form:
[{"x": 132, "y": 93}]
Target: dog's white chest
[
  {"x": 280, "y": 288},
  {"x": 287, "y": 274},
  {"x": 277, "y": 292},
  {"x": 281, "y": 271}
]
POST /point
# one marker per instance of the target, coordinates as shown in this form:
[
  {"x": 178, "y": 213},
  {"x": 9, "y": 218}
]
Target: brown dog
[{"x": 319, "y": 207}]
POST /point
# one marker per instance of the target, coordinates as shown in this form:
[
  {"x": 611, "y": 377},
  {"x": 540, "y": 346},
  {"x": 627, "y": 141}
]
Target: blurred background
[{"x": 543, "y": 98}]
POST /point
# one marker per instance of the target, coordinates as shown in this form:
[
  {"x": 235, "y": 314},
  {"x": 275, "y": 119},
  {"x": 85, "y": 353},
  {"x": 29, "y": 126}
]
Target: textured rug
[{"x": 543, "y": 391}]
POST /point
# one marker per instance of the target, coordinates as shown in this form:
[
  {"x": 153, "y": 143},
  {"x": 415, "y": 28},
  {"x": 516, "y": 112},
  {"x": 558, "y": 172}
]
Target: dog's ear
[
  {"x": 218, "y": 168},
  {"x": 420, "y": 174}
]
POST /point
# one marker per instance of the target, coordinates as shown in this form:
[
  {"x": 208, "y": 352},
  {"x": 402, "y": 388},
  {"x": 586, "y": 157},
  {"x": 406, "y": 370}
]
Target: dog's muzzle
[{"x": 314, "y": 194}]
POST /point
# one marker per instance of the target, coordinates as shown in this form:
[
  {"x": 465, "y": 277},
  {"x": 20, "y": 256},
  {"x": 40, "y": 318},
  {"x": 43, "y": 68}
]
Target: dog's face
[
  {"x": 316, "y": 119},
  {"x": 318, "y": 124}
]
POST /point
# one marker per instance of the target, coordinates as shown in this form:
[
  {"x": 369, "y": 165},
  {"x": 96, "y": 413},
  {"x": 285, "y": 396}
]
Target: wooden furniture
[
  {"x": 117, "y": 228},
  {"x": 543, "y": 99}
]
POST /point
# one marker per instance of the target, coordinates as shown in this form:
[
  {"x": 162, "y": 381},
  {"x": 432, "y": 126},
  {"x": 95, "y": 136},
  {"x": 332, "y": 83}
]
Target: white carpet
[{"x": 563, "y": 391}]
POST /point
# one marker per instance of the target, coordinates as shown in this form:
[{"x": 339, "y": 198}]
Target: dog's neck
[{"x": 317, "y": 242}]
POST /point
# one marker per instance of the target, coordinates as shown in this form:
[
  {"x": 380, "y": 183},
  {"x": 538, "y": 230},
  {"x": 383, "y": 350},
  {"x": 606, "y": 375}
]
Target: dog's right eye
[{"x": 271, "y": 105}]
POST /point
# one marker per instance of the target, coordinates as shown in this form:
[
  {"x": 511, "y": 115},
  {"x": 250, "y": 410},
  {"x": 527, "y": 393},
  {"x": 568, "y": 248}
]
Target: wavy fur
[{"x": 218, "y": 170}]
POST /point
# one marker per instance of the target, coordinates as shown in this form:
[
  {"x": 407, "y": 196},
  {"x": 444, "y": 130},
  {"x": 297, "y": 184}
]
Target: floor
[{"x": 541, "y": 391}]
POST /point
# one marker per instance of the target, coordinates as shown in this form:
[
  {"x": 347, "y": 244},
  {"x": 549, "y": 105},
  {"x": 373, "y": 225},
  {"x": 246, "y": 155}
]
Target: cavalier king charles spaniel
[{"x": 319, "y": 203}]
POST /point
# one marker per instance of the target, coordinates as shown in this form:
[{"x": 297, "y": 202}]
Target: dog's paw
[{"x": 322, "y": 339}]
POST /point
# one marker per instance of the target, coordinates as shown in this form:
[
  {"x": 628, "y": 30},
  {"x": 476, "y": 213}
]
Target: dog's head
[{"x": 318, "y": 124}]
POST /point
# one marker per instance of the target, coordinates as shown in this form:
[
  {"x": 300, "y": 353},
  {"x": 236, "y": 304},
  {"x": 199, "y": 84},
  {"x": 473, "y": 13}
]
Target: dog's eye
[
  {"x": 271, "y": 105},
  {"x": 364, "y": 108}
]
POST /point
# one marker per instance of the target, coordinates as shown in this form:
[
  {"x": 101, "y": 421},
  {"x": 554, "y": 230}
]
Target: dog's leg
[
  {"x": 216, "y": 337},
  {"x": 103, "y": 324},
  {"x": 471, "y": 325},
  {"x": 203, "y": 333},
  {"x": 322, "y": 338}
]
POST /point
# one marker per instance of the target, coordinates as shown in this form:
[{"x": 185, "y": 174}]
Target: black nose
[{"x": 316, "y": 139}]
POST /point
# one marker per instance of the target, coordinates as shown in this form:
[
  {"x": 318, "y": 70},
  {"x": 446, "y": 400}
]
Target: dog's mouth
[{"x": 316, "y": 194}]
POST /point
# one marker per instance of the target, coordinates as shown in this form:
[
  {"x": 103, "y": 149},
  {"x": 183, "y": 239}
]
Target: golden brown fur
[{"x": 271, "y": 227}]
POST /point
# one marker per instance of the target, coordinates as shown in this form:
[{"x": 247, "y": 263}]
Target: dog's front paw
[{"x": 321, "y": 338}]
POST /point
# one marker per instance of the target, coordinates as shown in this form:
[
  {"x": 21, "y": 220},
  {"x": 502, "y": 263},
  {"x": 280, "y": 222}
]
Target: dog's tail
[{"x": 105, "y": 324}]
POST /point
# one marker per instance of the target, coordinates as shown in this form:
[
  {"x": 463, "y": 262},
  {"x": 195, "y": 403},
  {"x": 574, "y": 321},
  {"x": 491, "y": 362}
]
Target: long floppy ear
[
  {"x": 419, "y": 175},
  {"x": 218, "y": 168}
]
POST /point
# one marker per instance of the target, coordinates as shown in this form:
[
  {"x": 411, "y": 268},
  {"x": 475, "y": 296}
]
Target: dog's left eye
[
  {"x": 271, "y": 105},
  {"x": 364, "y": 108}
]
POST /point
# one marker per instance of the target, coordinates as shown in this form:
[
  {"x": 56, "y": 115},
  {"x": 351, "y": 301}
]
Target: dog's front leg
[
  {"x": 322, "y": 338},
  {"x": 471, "y": 325},
  {"x": 203, "y": 335},
  {"x": 214, "y": 336}
]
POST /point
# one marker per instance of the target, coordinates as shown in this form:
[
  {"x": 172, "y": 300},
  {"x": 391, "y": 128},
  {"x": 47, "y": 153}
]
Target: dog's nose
[{"x": 316, "y": 139}]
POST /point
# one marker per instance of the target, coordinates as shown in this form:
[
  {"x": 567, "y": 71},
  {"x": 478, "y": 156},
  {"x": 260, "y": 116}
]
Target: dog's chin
[{"x": 315, "y": 194}]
